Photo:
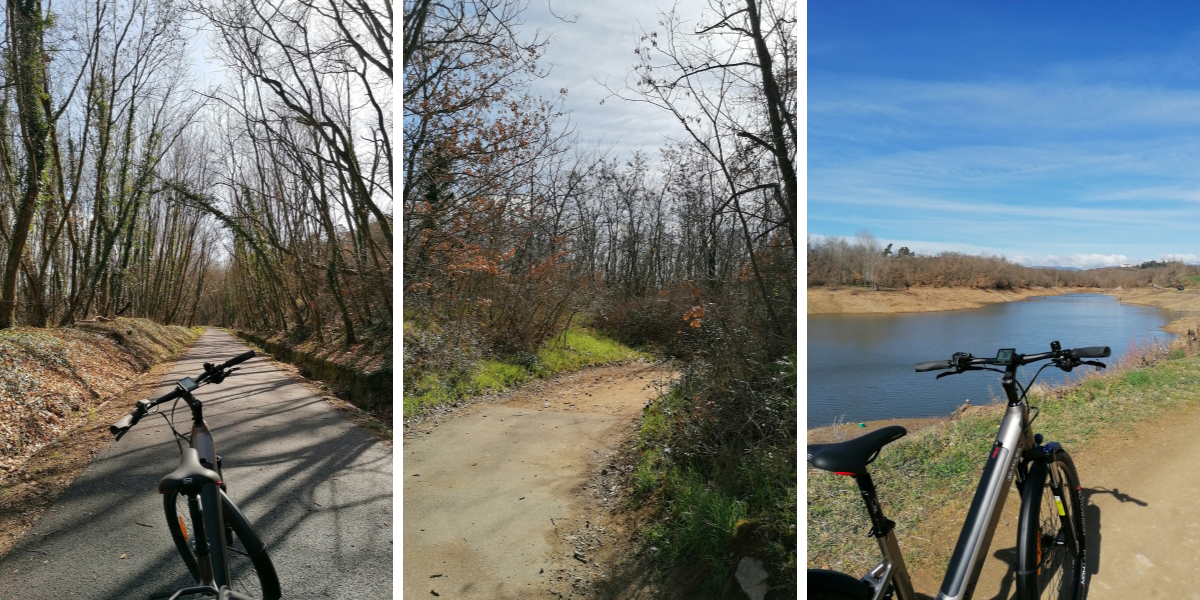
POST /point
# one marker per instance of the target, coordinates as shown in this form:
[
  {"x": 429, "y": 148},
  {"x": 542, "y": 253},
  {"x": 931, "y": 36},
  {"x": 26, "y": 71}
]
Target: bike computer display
[
  {"x": 1005, "y": 355},
  {"x": 187, "y": 384}
]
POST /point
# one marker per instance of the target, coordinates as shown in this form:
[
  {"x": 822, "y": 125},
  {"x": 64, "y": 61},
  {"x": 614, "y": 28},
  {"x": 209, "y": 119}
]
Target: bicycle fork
[{"x": 212, "y": 558}]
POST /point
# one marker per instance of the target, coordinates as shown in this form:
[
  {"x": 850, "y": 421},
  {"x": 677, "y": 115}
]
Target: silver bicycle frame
[
  {"x": 210, "y": 502},
  {"x": 890, "y": 570},
  {"x": 962, "y": 574},
  {"x": 1014, "y": 438}
]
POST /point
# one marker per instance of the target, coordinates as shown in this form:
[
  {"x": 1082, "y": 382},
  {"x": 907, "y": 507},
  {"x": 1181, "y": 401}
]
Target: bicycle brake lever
[{"x": 1094, "y": 363}]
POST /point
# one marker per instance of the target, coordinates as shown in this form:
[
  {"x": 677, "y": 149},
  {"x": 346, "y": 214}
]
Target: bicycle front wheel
[
  {"x": 832, "y": 585},
  {"x": 1051, "y": 540},
  {"x": 250, "y": 569}
]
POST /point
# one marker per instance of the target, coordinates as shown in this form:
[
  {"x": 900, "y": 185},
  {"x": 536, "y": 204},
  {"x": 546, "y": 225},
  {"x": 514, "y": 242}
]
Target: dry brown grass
[
  {"x": 50, "y": 379},
  {"x": 39, "y": 477}
]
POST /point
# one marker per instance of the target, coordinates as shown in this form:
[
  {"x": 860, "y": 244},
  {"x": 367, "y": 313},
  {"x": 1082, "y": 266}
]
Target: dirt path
[
  {"x": 1140, "y": 489},
  {"x": 491, "y": 493}
]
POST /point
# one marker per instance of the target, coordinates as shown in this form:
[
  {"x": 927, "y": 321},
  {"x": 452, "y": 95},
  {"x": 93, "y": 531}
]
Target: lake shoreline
[
  {"x": 859, "y": 300},
  {"x": 1185, "y": 301},
  {"x": 847, "y": 300},
  {"x": 840, "y": 432},
  {"x": 865, "y": 331}
]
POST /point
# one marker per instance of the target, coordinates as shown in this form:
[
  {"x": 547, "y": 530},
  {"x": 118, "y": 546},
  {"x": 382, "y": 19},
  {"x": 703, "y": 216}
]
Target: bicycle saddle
[
  {"x": 189, "y": 476},
  {"x": 852, "y": 457}
]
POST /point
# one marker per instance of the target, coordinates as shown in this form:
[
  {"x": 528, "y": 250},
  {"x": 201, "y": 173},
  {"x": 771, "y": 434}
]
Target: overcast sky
[
  {"x": 598, "y": 47},
  {"x": 1063, "y": 133}
]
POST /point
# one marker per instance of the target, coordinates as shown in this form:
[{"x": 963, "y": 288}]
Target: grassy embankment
[
  {"x": 360, "y": 374},
  {"x": 926, "y": 479},
  {"x": 60, "y": 388},
  {"x": 712, "y": 511},
  {"x": 574, "y": 350}
]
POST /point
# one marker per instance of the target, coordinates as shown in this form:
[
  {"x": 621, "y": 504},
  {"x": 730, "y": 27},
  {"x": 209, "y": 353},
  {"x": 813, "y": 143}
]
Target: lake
[{"x": 860, "y": 367}]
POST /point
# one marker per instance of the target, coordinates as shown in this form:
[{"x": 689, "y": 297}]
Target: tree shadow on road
[{"x": 315, "y": 488}]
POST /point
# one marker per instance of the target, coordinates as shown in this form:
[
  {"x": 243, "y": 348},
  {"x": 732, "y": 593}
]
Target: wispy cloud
[
  {"x": 1079, "y": 261},
  {"x": 1035, "y": 166}
]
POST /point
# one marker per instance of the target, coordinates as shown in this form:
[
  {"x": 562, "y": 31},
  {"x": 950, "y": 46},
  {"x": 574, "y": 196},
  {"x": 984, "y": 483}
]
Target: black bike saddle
[
  {"x": 853, "y": 456},
  {"x": 190, "y": 476}
]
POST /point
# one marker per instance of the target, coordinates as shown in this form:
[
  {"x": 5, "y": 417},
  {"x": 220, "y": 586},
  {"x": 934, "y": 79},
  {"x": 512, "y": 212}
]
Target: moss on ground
[{"x": 575, "y": 349}]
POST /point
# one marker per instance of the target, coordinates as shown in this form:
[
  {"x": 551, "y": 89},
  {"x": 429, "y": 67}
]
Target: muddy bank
[
  {"x": 1186, "y": 301},
  {"x": 841, "y": 432},
  {"x": 918, "y": 299}
]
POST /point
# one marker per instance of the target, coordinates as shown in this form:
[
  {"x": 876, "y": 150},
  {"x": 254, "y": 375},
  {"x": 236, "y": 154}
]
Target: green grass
[
  {"x": 579, "y": 349},
  {"x": 700, "y": 522},
  {"x": 576, "y": 349},
  {"x": 926, "y": 479}
]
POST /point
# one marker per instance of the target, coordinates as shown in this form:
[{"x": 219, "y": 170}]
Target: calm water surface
[{"x": 860, "y": 367}]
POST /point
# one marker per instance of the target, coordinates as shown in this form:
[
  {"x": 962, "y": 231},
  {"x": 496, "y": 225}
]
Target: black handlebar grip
[
  {"x": 241, "y": 358},
  {"x": 126, "y": 422},
  {"x": 933, "y": 365},
  {"x": 1092, "y": 352}
]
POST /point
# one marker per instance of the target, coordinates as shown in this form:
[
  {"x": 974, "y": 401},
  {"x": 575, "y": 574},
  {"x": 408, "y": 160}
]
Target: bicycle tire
[
  {"x": 250, "y": 568},
  {"x": 834, "y": 585},
  {"x": 1046, "y": 569}
]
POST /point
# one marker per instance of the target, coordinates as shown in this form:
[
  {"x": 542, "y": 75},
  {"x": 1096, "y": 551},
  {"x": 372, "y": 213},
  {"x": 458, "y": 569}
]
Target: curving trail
[{"x": 489, "y": 492}]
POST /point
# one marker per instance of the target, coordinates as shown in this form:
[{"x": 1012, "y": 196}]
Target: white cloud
[
  {"x": 1190, "y": 259},
  {"x": 1079, "y": 261},
  {"x": 598, "y": 46}
]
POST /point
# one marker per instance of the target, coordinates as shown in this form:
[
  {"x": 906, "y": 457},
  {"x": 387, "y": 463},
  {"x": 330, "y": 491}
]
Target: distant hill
[{"x": 1059, "y": 268}]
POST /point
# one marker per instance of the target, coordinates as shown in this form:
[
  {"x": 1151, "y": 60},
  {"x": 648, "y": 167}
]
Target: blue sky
[{"x": 1064, "y": 133}]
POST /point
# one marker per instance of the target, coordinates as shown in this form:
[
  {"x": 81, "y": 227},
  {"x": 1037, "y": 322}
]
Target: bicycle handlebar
[
  {"x": 1092, "y": 352},
  {"x": 933, "y": 365},
  {"x": 245, "y": 356},
  {"x": 122, "y": 426},
  {"x": 963, "y": 360}
]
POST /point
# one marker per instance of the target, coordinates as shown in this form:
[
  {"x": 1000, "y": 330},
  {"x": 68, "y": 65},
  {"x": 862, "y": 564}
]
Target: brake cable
[
  {"x": 219, "y": 377},
  {"x": 171, "y": 424}
]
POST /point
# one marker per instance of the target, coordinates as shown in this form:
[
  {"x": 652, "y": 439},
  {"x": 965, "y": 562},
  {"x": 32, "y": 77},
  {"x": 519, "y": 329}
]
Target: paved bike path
[{"x": 317, "y": 489}]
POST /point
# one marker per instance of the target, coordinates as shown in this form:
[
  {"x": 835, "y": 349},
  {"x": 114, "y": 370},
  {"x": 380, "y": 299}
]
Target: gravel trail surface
[{"x": 489, "y": 492}]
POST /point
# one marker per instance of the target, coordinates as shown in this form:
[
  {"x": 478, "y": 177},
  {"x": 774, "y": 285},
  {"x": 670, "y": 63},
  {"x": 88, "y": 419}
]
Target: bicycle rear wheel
[
  {"x": 1051, "y": 540},
  {"x": 250, "y": 569}
]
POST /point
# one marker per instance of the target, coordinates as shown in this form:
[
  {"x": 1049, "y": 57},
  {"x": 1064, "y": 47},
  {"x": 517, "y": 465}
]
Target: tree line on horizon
[
  {"x": 263, "y": 203},
  {"x": 864, "y": 261}
]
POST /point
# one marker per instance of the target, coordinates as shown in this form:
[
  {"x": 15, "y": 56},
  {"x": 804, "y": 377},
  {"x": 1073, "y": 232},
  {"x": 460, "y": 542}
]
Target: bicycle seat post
[{"x": 883, "y": 530}]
